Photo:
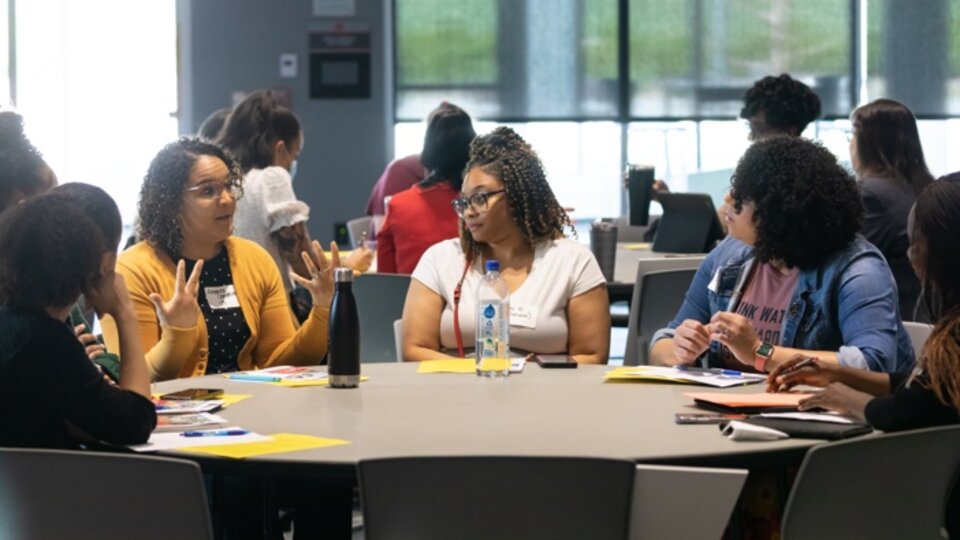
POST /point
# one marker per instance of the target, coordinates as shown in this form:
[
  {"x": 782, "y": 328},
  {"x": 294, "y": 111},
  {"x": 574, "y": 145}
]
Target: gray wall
[{"x": 235, "y": 45}]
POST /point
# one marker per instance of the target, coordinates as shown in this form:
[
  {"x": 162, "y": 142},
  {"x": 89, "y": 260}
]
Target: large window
[
  {"x": 663, "y": 85},
  {"x": 98, "y": 96}
]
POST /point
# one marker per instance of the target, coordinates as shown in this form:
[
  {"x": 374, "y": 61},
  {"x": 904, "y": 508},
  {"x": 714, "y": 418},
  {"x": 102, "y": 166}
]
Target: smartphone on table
[
  {"x": 193, "y": 393},
  {"x": 554, "y": 361}
]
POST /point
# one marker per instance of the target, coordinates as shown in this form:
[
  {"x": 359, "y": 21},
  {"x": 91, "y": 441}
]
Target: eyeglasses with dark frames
[{"x": 478, "y": 202}]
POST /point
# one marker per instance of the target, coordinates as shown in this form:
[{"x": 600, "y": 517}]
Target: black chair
[
  {"x": 887, "y": 486},
  {"x": 474, "y": 498},
  {"x": 657, "y": 297},
  {"x": 380, "y": 299},
  {"x": 89, "y": 495}
]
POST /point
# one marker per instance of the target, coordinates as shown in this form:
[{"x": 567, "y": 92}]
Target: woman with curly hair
[
  {"x": 887, "y": 156},
  {"x": 558, "y": 297},
  {"x": 232, "y": 312},
  {"x": 421, "y": 216},
  {"x": 929, "y": 395},
  {"x": 793, "y": 277},
  {"x": 51, "y": 395}
]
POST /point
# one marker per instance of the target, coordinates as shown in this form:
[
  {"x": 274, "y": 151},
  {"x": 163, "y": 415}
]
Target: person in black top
[
  {"x": 887, "y": 156},
  {"x": 930, "y": 394},
  {"x": 51, "y": 395}
]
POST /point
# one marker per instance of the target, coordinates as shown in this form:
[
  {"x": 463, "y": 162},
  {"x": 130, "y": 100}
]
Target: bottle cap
[
  {"x": 493, "y": 265},
  {"x": 342, "y": 274}
]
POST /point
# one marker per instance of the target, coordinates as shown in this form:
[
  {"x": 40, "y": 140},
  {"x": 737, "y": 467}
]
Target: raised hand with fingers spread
[
  {"x": 320, "y": 284},
  {"x": 181, "y": 310}
]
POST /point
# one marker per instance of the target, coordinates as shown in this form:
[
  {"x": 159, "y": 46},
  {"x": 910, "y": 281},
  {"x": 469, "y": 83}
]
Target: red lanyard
[{"x": 456, "y": 305}]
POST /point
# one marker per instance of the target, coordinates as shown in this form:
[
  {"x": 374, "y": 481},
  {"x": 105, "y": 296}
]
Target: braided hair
[{"x": 507, "y": 157}]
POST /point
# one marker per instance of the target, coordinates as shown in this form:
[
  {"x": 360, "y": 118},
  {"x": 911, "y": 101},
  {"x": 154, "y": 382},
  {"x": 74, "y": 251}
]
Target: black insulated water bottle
[{"x": 344, "y": 333}]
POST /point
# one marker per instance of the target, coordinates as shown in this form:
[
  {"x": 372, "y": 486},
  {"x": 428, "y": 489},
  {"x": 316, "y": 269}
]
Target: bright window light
[{"x": 97, "y": 86}]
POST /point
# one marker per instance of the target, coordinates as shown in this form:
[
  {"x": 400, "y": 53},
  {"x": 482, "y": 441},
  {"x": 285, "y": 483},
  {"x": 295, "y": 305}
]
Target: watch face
[{"x": 765, "y": 349}]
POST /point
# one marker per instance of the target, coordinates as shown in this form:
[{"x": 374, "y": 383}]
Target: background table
[{"x": 540, "y": 412}]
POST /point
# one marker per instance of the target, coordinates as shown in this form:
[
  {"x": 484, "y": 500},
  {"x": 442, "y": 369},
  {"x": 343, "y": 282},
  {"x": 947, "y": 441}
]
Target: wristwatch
[{"x": 763, "y": 354}]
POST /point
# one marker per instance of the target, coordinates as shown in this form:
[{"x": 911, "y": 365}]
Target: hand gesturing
[
  {"x": 181, "y": 309},
  {"x": 321, "y": 271}
]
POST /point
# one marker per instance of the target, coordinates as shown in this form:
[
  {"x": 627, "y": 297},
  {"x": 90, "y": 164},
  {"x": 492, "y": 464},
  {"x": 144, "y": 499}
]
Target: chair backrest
[
  {"x": 657, "y": 296},
  {"x": 380, "y": 300},
  {"x": 887, "y": 486},
  {"x": 662, "y": 495},
  {"x": 495, "y": 497},
  {"x": 355, "y": 229},
  {"x": 918, "y": 332},
  {"x": 398, "y": 338},
  {"x": 88, "y": 495}
]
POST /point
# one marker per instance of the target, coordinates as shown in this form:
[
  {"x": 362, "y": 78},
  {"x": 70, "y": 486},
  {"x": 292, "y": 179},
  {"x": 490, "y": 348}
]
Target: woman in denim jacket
[{"x": 794, "y": 277}]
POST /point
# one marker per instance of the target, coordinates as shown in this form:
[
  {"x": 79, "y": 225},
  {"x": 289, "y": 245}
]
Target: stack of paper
[
  {"x": 719, "y": 378},
  {"x": 292, "y": 376},
  {"x": 747, "y": 403},
  {"x": 188, "y": 406},
  {"x": 187, "y": 422}
]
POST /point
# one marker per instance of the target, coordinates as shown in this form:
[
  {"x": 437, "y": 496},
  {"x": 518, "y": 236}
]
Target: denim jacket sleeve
[
  {"x": 868, "y": 316},
  {"x": 697, "y": 303}
]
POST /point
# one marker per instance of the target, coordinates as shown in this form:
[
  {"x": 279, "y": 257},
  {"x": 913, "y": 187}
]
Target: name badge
[
  {"x": 523, "y": 316},
  {"x": 223, "y": 297}
]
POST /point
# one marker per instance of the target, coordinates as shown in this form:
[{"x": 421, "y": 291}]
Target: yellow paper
[
  {"x": 636, "y": 246},
  {"x": 495, "y": 364},
  {"x": 230, "y": 399},
  {"x": 310, "y": 382},
  {"x": 635, "y": 373},
  {"x": 452, "y": 365},
  {"x": 282, "y": 442}
]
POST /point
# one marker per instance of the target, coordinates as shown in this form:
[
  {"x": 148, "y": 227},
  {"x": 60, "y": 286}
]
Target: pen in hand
[
  {"x": 215, "y": 433},
  {"x": 810, "y": 361}
]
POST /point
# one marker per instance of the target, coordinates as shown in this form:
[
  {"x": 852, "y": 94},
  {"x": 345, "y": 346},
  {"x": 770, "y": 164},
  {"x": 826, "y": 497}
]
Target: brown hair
[
  {"x": 888, "y": 143},
  {"x": 938, "y": 220},
  {"x": 506, "y": 156}
]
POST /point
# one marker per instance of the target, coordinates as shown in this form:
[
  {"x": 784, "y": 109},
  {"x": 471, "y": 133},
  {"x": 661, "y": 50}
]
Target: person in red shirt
[{"x": 422, "y": 215}]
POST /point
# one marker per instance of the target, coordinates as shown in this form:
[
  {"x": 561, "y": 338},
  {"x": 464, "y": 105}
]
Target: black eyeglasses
[
  {"x": 478, "y": 202},
  {"x": 214, "y": 190}
]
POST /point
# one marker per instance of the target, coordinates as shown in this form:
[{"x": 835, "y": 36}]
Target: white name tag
[
  {"x": 523, "y": 316},
  {"x": 714, "y": 282},
  {"x": 224, "y": 297}
]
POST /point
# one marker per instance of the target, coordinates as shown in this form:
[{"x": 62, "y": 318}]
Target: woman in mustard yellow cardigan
[{"x": 232, "y": 312}]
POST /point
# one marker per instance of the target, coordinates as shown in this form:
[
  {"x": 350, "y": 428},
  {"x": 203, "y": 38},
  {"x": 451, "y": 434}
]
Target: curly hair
[
  {"x": 507, "y": 157},
  {"x": 161, "y": 195},
  {"x": 888, "y": 143},
  {"x": 446, "y": 146},
  {"x": 807, "y": 206},
  {"x": 254, "y": 126},
  {"x": 57, "y": 261},
  {"x": 937, "y": 214},
  {"x": 21, "y": 164},
  {"x": 788, "y": 104}
]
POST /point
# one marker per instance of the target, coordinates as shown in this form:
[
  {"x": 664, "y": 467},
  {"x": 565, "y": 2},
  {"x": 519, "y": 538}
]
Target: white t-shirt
[
  {"x": 269, "y": 204},
  {"x": 562, "y": 269}
]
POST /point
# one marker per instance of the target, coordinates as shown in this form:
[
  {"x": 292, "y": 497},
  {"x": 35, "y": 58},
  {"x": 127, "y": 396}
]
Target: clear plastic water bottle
[
  {"x": 343, "y": 338},
  {"x": 493, "y": 324}
]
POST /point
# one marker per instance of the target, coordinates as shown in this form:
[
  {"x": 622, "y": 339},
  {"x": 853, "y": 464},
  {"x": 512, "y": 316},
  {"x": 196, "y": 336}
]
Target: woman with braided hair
[{"x": 508, "y": 213}]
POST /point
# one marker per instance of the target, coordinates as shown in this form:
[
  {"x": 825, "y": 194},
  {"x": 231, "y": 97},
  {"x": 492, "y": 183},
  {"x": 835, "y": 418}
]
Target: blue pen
[
  {"x": 253, "y": 377},
  {"x": 713, "y": 371},
  {"x": 215, "y": 433}
]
